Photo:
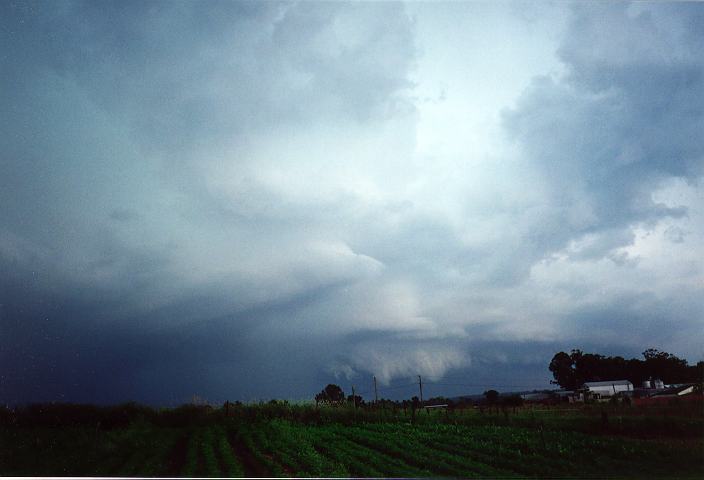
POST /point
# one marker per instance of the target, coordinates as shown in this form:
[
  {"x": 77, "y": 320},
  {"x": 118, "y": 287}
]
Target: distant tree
[
  {"x": 697, "y": 371},
  {"x": 387, "y": 403},
  {"x": 492, "y": 396},
  {"x": 356, "y": 400},
  {"x": 571, "y": 371},
  {"x": 512, "y": 401},
  {"x": 331, "y": 394},
  {"x": 653, "y": 354},
  {"x": 562, "y": 368},
  {"x": 666, "y": 366}
]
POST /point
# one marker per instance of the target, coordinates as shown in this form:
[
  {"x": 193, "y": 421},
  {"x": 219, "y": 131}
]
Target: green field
[{"x": 302, "y": 441}]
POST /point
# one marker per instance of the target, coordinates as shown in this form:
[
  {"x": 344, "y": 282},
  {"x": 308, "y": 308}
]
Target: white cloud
[
  {"x": 387, "y": 182},
  {"x": 388, "y": 362}
]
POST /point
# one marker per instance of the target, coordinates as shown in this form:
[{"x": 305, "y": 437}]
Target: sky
[{"x": 250, "y": 200}]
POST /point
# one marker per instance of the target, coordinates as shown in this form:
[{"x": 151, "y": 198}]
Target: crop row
[
  {"x": 209, "y": 454},
  {"x": 284, "y": 448},
  {"x": 289, "y": 449},
  {"x": 493, "y": 459},
  {"x": 139, "y": 449},
  {"x": 279, "y": 447},
  {"x": 376, "y": 458},
  {"x": 531, "y": 452},
  {"x": 424, "y": 455}
]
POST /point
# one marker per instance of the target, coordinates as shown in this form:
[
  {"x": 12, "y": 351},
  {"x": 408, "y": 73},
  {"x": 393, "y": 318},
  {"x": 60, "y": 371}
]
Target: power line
[
  {"x": 480, "y": 385},
  {"x": 393, "y": 387},
  {"x": 456, "y": 376},
  {"x": 443, "y": 384},
  {"x": 419, "y": 384}
]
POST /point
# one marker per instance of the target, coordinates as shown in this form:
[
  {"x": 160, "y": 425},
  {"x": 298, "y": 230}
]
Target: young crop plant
[
  {"x": 490, "y": 458},
  {"x": 499, "y": 459},
  {"x": 360, "y": 463},
  {"x": 247, "y": 436},
  {"x": 155, "y": 463},
  {"x": 191, "y": 467},
  {"x": 388, "y": 462},
  {"x": 420, "y": 456},
  {"x": 69, "y": 451},
  {"x": 295, "y": 440},
  {"x": 131, "y": 466},
  {"x": 143, "y": 448},
  {"x": 494, "y": 453},
  {"x": 274, "y": 447},
  {"x": 113, "y": 453},
  {"x": 562, "y": 453},
  {"x": 231, "y": 466},
  {"x": 210, "y": 461}
]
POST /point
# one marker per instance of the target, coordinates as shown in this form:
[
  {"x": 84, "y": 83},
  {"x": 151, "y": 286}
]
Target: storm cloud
[{"x": 252, "y": 199}]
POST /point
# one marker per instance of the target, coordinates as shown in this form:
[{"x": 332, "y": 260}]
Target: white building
[
  {"x": 676, "y": 391},
  {"x": 608, "y": 388}
]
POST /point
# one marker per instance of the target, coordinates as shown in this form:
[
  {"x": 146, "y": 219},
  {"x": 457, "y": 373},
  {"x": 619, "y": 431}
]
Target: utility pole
[
  {"x": 354, "y": 398},
  {"x": 376, "y": 395},
  {"x": 420, "y": 386}
]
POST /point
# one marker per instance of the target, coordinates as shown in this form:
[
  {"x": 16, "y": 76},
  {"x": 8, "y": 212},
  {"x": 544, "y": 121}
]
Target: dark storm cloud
[
  {"x": 226, "y": 199},
  {"x": 122, "y": 262},
  {"x": 649, "y": 320}
]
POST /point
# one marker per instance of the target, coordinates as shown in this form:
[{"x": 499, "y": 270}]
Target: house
[{"x": 598, "y": 390}]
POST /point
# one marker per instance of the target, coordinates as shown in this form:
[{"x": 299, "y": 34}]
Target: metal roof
[{"x": 607, "y": 383}]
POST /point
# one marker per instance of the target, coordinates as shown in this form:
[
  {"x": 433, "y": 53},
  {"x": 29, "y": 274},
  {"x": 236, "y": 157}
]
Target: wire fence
[{"x": 484, "y": 386}]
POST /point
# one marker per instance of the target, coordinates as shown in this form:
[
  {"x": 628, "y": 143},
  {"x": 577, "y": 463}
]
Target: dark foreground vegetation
[{"x": 279, "y": 439}]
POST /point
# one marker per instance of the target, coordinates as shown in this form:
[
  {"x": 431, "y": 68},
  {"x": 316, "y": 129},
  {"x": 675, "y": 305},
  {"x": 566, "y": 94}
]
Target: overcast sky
[{"x": 250, "y": 200}]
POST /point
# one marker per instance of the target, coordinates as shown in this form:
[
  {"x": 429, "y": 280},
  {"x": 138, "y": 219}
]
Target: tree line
[{"x": 572, "y": 370}]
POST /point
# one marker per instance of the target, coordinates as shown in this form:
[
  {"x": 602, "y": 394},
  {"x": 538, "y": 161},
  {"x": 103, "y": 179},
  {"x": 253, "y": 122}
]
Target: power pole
[
  {"x": 420, "y": 386},
  {"x": 354, "y": 399},
  {"x": 376, "y": 395}
]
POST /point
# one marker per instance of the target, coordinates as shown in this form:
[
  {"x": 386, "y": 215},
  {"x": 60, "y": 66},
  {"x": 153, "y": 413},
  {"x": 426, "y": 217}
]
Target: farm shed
[
  {"x": 537, "y": 396},
  {"x": 676, "y": 391},
  {"x": 570, "y": 396},
  {"x": 608, "y": 388}
]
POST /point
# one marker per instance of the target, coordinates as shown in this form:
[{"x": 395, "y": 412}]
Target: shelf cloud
[{"x": 249, "y": 200}]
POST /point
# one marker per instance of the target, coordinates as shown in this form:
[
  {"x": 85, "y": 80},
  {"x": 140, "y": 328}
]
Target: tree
[
  {"x": 331, "y": 394},
  {"x": 513, "y": 401},
  {"x": 666, "y": 366},
  {"x": 492, "y": 396},
  {"x": 654, "y": 354},
  {"x": 571, "y": 371},
  {"x": 562, "y": 368},
  {"x": 357, "y": 400}
]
